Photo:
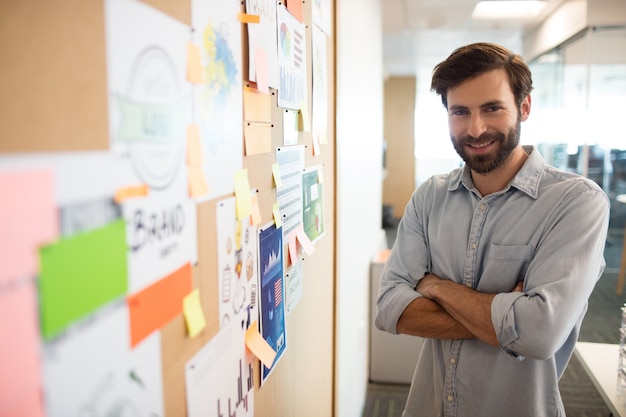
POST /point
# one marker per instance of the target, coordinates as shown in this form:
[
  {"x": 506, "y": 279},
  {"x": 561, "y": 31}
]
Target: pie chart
[{"x": 285, "y": 39}]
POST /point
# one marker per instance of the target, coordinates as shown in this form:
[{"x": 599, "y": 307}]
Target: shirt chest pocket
[{"x": 503, "y": 266}]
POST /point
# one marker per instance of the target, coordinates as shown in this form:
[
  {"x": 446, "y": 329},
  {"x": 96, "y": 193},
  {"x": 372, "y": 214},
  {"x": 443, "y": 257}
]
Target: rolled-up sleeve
[{"x": 559, "y": 281}]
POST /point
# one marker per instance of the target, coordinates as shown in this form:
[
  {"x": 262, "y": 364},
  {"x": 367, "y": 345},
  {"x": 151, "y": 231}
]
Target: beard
[{"x": 484, "y": 163}]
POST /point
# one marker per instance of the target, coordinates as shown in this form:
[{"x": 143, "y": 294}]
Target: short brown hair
[{"x": 475, "y": 59}]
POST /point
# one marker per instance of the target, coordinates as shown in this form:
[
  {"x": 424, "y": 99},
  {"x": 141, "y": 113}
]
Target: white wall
[{"x": 359, "y": 141}]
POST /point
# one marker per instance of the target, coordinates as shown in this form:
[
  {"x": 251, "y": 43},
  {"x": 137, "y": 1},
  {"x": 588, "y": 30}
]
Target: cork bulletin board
[{"x": 77, "y": 178}]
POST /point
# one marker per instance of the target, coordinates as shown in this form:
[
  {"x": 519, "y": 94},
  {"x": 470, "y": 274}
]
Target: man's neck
[{"x": 499, "y": 178}]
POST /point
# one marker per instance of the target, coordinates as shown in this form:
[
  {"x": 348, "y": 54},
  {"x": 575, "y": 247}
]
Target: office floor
[{"x": 601, "y": 324}]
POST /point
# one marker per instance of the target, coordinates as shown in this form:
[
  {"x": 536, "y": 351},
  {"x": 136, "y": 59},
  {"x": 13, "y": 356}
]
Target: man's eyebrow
[
  {"x": 455, "y": 107},
  {"x": 493, "y": 103}
]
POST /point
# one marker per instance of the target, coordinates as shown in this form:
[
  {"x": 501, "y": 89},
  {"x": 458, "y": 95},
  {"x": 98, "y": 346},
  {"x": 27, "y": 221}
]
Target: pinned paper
[
  {"x": 276, "y": 173},
  {"x": 320, "y": 176},
  {"x": 261, "y": 70},
  {"x": 323, "y": 139},
  {"x": 304, "y": 240},
  {"x": 130, "y": 192},
  {"x": 277, "y": 218},
  {"x": 256, "y": 210},
  {"x": 259, "y": 346},
  {"x": 249, "y": 18},
  {"x": 243, "y": 198},
  {"x": 305, "y": 118},
  {"x": 194, "y": 315},
  {"x": 153, "y": 307},
  {"x": 194, "y": 64}
]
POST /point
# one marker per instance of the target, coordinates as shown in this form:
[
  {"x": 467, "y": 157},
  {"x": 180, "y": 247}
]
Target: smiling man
[{"x": 494, "y": 262}]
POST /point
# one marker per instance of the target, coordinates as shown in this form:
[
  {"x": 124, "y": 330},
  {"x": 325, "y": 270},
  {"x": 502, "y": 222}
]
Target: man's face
[{"x": 484, "y": 120}]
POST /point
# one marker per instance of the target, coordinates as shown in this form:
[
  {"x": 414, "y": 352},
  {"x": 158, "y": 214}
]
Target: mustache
[{"x": 483, "y": 138}]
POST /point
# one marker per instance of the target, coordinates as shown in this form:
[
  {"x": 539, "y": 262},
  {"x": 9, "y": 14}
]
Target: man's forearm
[
  {"x": 426, "y": 318},
  {"x": 472, "y": 309}
]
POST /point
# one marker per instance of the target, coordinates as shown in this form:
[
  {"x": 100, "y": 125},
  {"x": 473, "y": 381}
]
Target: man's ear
[{"x": 524, "y": 108}]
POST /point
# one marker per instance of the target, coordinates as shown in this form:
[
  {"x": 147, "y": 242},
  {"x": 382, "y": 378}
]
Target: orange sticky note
[
  {"x": 259, "y": 346},
  {"x": 295, "y": 8},
  {"x": 257, "y": 106},
  {"x": 194, "y": 64},
  {"x": 194, "y": 147},
  {"x": 130, "y": 192},
  {"x": 258, "y": 138},
  {"x": 194, "y": 315},
  {"x": 152, "y": 308},
  {"x": 256, "y": 210},
  {"x": 28, "y": 219},
  {"x": 249, "y": 18},
  {"x": 198, "y": 185}
]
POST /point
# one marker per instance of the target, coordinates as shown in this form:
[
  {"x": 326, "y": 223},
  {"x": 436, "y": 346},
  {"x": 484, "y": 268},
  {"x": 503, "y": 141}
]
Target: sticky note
[
  {"x": 153, "y": 307},
  {"x": 320, "y": 176},
  {"x": 194, "y": 315},
  {"x": 243, "y": 200},
  {"x": 259, "y": 346},
  {"x": 316, "y": 146},
  {"x": 258, "y": 138},
  {"x": 261, "y": 69},
  {"x": 305, "y": 117},
  {"x": 304, "y": 240},
  {"x": 28, "y": 218},
  {"x": 276, "y": 174},
  {"x": 293, "y": 248},
  {"x": 295, "y": 8},
  {"x": 194, "y": 64},
  {"x": 277, "y": 217},
  {"x": 130, "y": 192},
  {"x": 20, "y": 379},
  {"x": 256, "y": 210},
  {"x": 249, "y": 18},
  {"x": 257, "y": 106},
  {"x": 194, "y": 146},
  {"x": 80, "y": 274}
]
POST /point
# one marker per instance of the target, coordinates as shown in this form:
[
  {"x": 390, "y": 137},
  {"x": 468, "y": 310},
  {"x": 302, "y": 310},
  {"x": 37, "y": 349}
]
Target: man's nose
[{"x": 477, "y": 125}]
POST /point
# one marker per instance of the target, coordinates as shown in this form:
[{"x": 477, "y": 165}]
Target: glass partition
[{"x": 576, "y": 117}]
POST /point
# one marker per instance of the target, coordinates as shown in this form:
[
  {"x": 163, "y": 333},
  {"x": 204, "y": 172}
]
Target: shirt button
[
  {"x": 452, "y": 360},
  {"x": 483, "y": 207},
  {"x": 450, "y": 398},
  {"x": 474, "y": 245}
]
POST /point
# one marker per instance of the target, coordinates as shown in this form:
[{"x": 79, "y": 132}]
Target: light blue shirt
[{"x": 547, "y": 228}]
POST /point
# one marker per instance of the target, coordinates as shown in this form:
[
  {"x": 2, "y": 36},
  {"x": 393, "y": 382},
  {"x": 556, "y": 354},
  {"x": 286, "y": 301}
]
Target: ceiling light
[{"x": 523, "y": 9}]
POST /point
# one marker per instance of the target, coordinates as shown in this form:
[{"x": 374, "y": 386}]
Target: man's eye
[{"x": 491, "y": 109}]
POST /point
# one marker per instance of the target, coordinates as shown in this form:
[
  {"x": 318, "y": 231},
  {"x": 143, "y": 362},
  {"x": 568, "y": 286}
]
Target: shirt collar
[{"x": 526, "y": 180}]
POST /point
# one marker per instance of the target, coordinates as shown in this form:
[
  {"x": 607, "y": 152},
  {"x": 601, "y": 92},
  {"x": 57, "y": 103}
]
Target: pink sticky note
[
  {"x": 28, "y": 219},
  {"x": 262, "y": 79},
  {"x": 20, "y": 361}
]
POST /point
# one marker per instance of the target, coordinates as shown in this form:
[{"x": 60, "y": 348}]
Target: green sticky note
[{"x": 80, "y": 274}]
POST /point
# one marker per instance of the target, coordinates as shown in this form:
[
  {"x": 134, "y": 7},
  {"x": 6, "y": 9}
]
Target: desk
[{"x": 600, "y": 361}]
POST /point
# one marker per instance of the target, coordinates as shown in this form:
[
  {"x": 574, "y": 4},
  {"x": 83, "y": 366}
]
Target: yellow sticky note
[
  {"x": 243, "y": 198},
  {"x": 194, "y": 315},
  {"x": 316, "y": 146},
  {"x": 194, "y": 64},
  {"x": 320, "y": 175},
  {"x": 276, "y": 172},
  {"x": 323, "y": 139},
  {"x": 304, "y": 114},
  {"x": 259, "y": 346},
  {"x": 277, "y": 218},
  {"x": 129, "y": 192},
  {"x": 256, "y": 210}
]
